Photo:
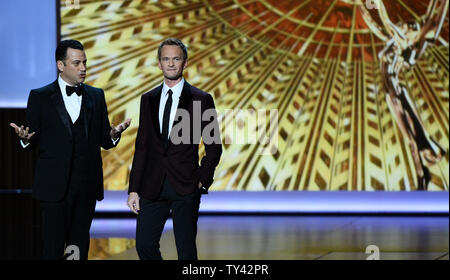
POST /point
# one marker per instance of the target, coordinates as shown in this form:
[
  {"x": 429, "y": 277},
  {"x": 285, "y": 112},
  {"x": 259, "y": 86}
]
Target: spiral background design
[{"x": 313, "y": 61}]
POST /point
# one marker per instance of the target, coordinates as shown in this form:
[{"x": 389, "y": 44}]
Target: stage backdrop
[{"x": 315, "y": 62}]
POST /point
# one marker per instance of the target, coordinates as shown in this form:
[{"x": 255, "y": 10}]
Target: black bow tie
[{"x": 70, "y": 90}]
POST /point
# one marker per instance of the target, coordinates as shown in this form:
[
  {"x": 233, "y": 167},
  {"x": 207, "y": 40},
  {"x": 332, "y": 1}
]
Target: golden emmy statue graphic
[{"x": 405, "y": 43}]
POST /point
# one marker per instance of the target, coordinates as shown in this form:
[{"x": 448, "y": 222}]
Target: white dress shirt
[
  {"x": 176, "y": 93},
  {"x": 72, "y": 103}
]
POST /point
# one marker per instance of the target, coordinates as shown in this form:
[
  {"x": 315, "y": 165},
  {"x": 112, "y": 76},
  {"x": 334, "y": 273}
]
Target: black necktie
[
  {"x": 70, "y": 90},
  {"x": 166, "y": 118}
]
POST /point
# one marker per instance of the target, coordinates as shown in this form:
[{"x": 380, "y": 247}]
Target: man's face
[
  {"x": 172, "y": 62},
  {"x": 73, "y": 69}
]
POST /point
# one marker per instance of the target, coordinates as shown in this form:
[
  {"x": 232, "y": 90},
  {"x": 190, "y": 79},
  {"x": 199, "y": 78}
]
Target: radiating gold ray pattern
[{"x": 313, "y": 61}]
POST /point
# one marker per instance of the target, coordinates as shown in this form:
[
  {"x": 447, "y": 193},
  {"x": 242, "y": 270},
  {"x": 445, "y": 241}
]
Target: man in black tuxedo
[
  {"x": 165, "y": 175},
  {"x": 68, "y": 122}
]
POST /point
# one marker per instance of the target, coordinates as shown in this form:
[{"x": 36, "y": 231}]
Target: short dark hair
[
  {"x": 173, "y": 42},
  {"x": 61, "y": 50}
]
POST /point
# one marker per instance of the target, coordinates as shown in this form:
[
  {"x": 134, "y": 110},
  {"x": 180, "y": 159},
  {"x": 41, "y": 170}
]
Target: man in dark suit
[
  {"x": 165, "y": 175},
  {"x": 68, "y": 121}
]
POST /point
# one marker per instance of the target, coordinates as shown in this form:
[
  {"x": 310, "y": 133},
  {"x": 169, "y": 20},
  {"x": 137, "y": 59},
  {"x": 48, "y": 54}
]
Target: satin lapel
[
  {"x": 88, "y": 102},
  {"x": 57, "y": 99},
  {"x": 184, "y": 103},
  {"x": 154, "y": 110}
]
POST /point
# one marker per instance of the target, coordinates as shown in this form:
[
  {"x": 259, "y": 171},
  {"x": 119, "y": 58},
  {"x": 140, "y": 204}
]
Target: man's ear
[
  {"x": 185, "y": 64},
  {"x": 60, "y": 64}
]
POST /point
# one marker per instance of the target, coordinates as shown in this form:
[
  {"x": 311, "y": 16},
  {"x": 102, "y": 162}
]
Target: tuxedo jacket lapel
[
  {"x": 154, "y": 110},
  {"x": 183, "y": 104},
  {"x": 58, "y": 101},
  {"x": 88, "y": 102},
  {"x": 185, "y": 100}
]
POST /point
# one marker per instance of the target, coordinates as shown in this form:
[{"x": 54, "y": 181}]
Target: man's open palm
[
  {"x": 23, "y": 133},
  {"x": 117, "y": 130}
]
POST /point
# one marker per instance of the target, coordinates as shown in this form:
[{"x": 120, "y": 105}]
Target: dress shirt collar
[
  {"x": 62, "y": 86},
  {"x": 176, "y": 90}
]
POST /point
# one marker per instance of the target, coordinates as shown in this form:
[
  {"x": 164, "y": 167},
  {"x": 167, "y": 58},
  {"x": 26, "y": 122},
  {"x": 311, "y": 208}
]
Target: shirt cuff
[
  {"x": 115, "y": 141},
  {"x": 23, "y": 144}
]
